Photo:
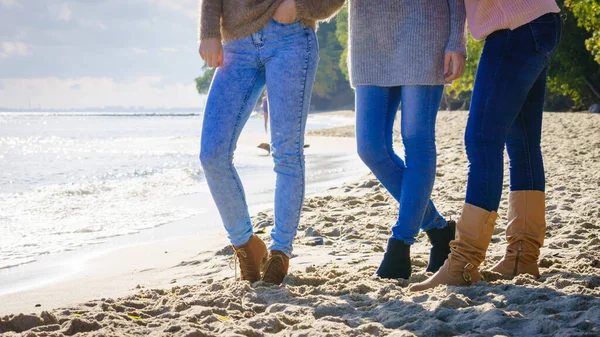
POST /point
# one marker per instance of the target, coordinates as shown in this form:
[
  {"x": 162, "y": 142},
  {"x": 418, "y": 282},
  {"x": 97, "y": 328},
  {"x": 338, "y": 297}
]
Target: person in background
[
  {"x": 506, "y": 110},
  {"x": 253, "y": 43},
  {"x": 403, "y": 52}
]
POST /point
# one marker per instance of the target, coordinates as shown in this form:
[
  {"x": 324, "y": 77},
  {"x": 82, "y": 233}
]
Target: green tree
[
  {"x": 341, "y": 33},
  {"x": 331, "y": 89},
  {"x": 587, "y": 13},
  {"x": 573, "y": 75},
  {"x": 458, "y": 95},
  {"x": 203, "y": 82}
]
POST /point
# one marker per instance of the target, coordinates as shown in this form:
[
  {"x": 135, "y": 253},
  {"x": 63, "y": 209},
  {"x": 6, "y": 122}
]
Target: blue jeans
[
  {"x": 285, "y": 58},
  {"x": 506, "y": 108},
  {"x": 409, "y": 181}
]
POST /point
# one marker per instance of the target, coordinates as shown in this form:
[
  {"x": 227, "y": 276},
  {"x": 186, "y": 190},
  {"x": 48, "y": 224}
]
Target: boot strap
[{"x": 466, "y": 274}]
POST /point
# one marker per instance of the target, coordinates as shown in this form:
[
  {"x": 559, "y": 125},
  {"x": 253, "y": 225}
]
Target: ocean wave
[
  {"x": 12, "y": 264},
  {"x": 55, "y": 218}
]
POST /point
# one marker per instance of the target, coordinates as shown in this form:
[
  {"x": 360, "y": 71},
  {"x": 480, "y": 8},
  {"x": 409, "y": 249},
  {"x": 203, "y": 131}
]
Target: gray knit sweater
[{"x": 403, "y": 42}]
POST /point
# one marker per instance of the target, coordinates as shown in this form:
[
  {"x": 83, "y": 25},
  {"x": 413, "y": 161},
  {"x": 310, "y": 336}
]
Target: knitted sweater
[
  {"x": 233, "y": 19},
  {"x": 487, "y": 16},
  {"x": 403, "y": 42}
]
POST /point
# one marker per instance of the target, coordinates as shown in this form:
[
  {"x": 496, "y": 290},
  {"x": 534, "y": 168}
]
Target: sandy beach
[{"x": 187, "y": 287}]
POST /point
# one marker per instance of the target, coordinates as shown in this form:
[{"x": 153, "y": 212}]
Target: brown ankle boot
[
  {"x": 525, "y": 234},
  {"x": 276, "y": 267},
  {"x": 251, "y": 255},
  {"x": 473, "y": 234}
]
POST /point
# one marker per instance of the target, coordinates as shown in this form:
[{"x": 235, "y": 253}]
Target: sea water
[{"x": 70, "y": 181}]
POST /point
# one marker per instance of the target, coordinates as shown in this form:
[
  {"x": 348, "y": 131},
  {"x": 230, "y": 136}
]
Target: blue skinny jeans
[
  {"x": 506, "y": 109},
  {"x": 285, "y": 58},
  {"x": 409, "y": 180}
]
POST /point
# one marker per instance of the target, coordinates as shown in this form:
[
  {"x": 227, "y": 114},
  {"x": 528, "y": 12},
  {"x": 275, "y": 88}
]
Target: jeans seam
[
  {"x": 527, "y": 155},
  {"x": 385, "y": 109},
  {"x": 236, "y": 126},
  {"x": 482, "y": 124},
  {"x": 384, "y": 141},
  {"x": 303, "y": 97}
]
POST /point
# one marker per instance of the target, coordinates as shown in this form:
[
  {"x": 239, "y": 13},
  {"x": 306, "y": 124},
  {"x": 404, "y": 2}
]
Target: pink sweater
[{"x": 487, "y": 16}]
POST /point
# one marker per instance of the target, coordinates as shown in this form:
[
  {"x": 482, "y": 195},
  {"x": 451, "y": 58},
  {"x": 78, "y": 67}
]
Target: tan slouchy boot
[
  {"x": 525, "y": 233},
  {"x": 473, "y": 234},
  {"x": 251, "y": 256}
]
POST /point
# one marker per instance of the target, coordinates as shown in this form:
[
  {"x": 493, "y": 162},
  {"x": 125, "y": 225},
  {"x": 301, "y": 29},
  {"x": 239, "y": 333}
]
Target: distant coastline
[{"x": 109, "y": 109}]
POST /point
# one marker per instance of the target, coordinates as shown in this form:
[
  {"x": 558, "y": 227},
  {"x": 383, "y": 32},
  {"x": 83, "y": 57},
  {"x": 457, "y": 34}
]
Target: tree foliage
[
  {"x": 458, "y": 95},
  {"x": 342, "y": 36},
  {"x": 574, "y": 76},
  {"x": 587, "y": 13},
  {"x": 331, "y": 89},
  {"x": 203, "y": 82}
]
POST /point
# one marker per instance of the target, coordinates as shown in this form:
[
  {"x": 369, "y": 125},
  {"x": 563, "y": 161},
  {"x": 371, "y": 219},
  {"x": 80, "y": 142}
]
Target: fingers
[
  {"x": 457, "y": 64},
  {"x": 455, "y": 71},
  {"x": 447, "y": 61},
  {"x": 212, "y": 60},
  {"x": 211, "y": 51}
]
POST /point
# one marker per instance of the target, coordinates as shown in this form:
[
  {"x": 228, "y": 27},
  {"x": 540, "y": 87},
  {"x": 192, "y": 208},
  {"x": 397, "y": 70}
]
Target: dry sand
[{"x": 331, "y": 291}]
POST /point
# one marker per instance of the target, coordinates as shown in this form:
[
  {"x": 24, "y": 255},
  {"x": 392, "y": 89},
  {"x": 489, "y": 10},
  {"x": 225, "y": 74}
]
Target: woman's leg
[
  {"x": 291, "y": 64},
  {"x": 376, "y": 109},
  {"x": 233, "y": 93},
  {"x": 524, "y": 138},
  {"x": 375, "y": 113},
  {"x": 419, "y": 111},
  {"x": 510, "y": 79},
  {"x": 526, "y": 227},
  {"x": 511, "y": 63}
]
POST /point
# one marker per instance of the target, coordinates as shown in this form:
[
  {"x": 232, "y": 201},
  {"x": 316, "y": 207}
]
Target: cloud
[
  {"x": 138, "y": 51},
  {"x": 8, "y": 3},
  {"x": 67, "y": 40},
  {"x": 55, "y": 93},
  {"x": 94, "y": 38},
  {"x": 64, "y": 13},
  {"x": 17, "y": 48},
  {"x": 186, "y": 7}
]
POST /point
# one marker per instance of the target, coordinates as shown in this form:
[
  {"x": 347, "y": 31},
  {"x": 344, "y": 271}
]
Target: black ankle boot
[
  {"x": 396, "y": 261},
  {"x": 440, "y": 245}
]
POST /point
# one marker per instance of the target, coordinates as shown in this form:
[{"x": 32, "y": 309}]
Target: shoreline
[
  {"x": 29, "y": 271},
  {"x": 27, "y": 285},
  {"x": 331, "y": 289}
]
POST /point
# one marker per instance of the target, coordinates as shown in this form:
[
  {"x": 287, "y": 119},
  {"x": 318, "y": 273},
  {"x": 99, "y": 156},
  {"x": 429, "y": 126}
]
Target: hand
[
  {"x": 211, "y": 51},
  {"x": 286, "y": 12},
  {"x": 454, "y": 66}
]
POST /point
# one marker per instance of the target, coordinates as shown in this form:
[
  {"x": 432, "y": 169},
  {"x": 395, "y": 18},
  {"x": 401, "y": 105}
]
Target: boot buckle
[{"x": 466, "y": 275}]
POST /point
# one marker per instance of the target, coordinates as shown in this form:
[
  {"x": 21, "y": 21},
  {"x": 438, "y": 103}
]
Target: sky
[{"x": 93, "y": 53}]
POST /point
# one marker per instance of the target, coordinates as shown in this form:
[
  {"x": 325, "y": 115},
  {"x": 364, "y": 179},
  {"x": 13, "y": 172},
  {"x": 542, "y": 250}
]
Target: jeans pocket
[{"x": 546, "y": 34}]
